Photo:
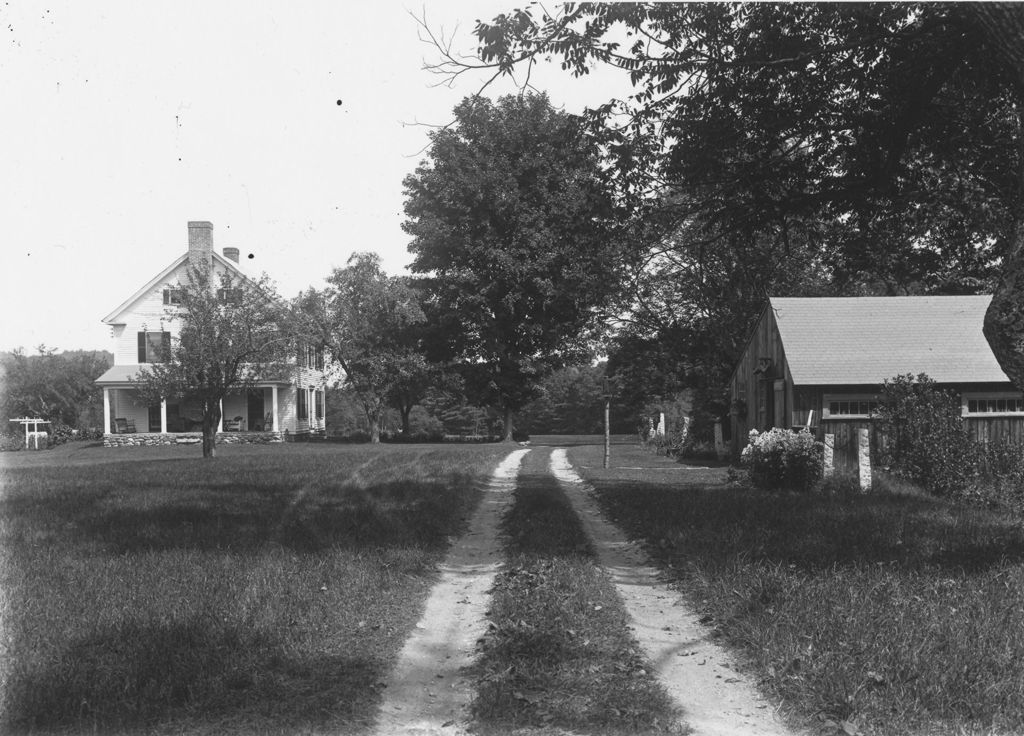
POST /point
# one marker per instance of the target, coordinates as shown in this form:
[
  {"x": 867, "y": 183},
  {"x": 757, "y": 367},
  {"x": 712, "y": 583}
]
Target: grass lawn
[
  {"x": 899, "y": 614},
  {"x": 145, "y": 590},
  {"x": 559, "y": 653}
]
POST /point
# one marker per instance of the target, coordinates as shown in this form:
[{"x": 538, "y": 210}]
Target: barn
[{"x": 821, "y": 362}]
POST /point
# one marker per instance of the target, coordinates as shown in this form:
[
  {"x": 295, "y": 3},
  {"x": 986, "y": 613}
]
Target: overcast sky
[{"x": 123, "y": 121}]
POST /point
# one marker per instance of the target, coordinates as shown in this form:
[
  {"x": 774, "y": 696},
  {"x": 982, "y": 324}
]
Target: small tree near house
[
  {"x": 366, "y": 320},
  {"x": 231, "y": 335}
]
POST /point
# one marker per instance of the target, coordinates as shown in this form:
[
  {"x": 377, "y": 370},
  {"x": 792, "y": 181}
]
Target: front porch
[{"x": 256, "y": 411}]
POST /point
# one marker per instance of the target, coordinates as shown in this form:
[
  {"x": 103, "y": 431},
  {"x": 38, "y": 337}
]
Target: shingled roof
[{"x": 865, "y": 340}]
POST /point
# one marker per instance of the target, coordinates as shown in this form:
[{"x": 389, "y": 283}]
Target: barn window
[
  {"x": 850, "y": 406},
  {"x": 992, "y": 404}
]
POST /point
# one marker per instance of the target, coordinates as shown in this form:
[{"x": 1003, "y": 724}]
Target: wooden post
[
  {"x": 273, "y": 404},
  {"x": 720, "y": 450},
  {"x": 829, "y": 461},
  {"x": 607, "y": 432},
  {"x": 864, "y": 459},
  {"x": 607, "y": 423},
  {"x": 163, "y": 416},
  {"x": 106, "y": 410}
]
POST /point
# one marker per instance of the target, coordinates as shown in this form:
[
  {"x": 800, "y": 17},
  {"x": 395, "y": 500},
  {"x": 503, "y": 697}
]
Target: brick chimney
[
  {"x": 231, "y": 254},
  {"x": 200, "y": 244}
]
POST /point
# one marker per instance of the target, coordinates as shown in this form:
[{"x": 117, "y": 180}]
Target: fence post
[
  {"x": 864, "y": 459},
  {"x": 829, "y": 461}
]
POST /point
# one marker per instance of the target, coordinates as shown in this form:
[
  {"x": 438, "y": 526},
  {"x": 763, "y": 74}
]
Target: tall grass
[
  {"x": 903, "y": 614},
  {"x": 559, "y": 653},
  {"x": 266, "y": 591}
]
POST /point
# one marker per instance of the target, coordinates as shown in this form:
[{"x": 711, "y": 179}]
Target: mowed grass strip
[
  {"x": 898, "y": 614},
  {"x": 267, "y": 591},
  {"x": 559, "y": 653}
]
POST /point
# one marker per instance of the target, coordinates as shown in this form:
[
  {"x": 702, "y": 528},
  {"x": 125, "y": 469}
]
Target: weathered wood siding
[{"x": 753, "y": 395}]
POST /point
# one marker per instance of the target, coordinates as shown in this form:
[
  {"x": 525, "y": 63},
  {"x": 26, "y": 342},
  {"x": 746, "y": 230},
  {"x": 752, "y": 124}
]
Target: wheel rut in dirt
[
  {"x": 698, "y": 674},
  {"x": 427, "y": 692}
]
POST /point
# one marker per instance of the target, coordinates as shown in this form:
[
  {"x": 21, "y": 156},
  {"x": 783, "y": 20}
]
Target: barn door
[{"x": 780, "y": 404}]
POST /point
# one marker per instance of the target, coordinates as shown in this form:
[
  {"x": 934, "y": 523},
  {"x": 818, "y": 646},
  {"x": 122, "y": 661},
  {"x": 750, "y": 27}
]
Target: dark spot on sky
[
  {"x": 339, "y": 102},
  {"x": 251, "y": 256}
]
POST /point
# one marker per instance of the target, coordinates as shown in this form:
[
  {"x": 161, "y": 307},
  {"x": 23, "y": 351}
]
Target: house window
[
  {"x": 992, "y": 404},
  {"x": 154, "y": 346},
  {"x": 319, "y": 361},
  {"x": 318, "y": 398},
  {"x": 859, "y": 407},
  {"x": 302, "y": 410},
  {"x": 229, "y": 296},
  {"x": 172, "y": 296}
]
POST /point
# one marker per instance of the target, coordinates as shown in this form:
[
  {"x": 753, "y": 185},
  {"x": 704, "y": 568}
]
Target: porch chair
[
  {"x": 233, "y": 425},
  {"x": 130, "y": 426}
]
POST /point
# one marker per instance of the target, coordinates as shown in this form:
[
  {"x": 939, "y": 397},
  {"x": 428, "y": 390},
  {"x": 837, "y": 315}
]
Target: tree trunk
[
  {"x": 406, "y": 411},
  {"x": 211, "y": 418},
  {"x": 1003, "y": 27},
  {"x": 508, "y": 424}
]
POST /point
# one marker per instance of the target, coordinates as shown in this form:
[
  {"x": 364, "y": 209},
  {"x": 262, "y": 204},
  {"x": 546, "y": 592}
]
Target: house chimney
[
  {"x": 231, "y": 254},
  {"x": 200, "y": 244}
]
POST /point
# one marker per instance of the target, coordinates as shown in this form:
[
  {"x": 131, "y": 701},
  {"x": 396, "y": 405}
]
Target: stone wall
[{"x": 140, "y": 439}]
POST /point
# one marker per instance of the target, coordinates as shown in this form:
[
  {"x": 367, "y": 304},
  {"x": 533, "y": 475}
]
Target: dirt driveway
[{"x": 428, "y": 693}]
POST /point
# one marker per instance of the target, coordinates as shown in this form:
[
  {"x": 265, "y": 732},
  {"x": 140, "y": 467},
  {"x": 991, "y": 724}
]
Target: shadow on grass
[
  {"x": 132, "y": 678},
  {"x": 813, "y": 531},
  {"x": 234, "y": 516}
]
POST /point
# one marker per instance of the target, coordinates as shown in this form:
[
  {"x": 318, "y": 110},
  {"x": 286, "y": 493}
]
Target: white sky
[{"x": 122, "y": 121}]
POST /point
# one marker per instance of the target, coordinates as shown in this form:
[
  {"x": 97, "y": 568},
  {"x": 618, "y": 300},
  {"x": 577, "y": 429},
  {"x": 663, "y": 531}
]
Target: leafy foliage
[
  {"x": 55, "y": 386},
  {"x": 783, "y": 460},
  {"x": 927, "y": 440},
  {"x": 859, "y": 148},
  {"x": 365, "y": 319},
  {"x": 511, "y": 229}
]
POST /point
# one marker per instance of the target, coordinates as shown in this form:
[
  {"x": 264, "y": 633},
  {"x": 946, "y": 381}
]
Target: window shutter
[
  {"x": 165, "y": 345},
  {"x": 142, "y": 347}
]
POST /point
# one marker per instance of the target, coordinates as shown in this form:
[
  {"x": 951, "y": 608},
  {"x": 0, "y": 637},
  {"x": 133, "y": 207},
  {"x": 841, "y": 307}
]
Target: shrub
[
  {"x": 10, "y": 441},
  {"x": 927, "y": 440},
  {"x": 781, "y": 459}
]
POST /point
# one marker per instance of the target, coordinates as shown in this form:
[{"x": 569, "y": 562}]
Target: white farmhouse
[{"x": 273, "y": 410}]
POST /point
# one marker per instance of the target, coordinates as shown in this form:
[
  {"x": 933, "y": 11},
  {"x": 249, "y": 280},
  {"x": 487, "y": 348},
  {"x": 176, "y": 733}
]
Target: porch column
[
  {"x": 273, "y": 404},
  {"x": 163, "y": 416},
  {"x": 220, "y": 422},
  {"x": 106, "y": 410}
]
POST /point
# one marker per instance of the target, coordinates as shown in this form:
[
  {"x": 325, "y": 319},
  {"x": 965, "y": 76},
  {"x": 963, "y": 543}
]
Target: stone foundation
[{"x": 189, "y": 438}]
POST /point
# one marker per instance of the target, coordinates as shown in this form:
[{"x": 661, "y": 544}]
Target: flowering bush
[{"x": 781, "y": 459}]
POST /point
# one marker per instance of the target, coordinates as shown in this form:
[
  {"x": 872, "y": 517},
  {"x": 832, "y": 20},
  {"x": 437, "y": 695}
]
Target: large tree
[
  {"x": 892, "y": 129},
  {"x": 367, "y": 320},
  {"x": 512, "y": 232},
  {"x": 231, "y": 335}
]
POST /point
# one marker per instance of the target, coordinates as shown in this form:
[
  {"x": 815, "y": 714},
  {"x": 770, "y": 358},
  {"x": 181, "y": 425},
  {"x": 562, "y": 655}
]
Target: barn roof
[{"x": 865, "y": 340}]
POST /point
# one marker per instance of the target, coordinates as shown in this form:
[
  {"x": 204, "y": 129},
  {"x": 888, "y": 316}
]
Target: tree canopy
[
  {"x": 366, "y": 320},
  {"x": 859, "y": 148},
  {"x": 513, "y": 235}
]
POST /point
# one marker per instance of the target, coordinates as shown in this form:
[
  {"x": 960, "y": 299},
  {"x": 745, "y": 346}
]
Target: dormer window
[{"x": 229, "y": 296}]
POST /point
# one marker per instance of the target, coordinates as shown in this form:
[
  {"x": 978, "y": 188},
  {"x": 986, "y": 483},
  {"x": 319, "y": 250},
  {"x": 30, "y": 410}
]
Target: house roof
[
  {"x": 121, "y": 376},
  {"x": 866, "y": 340},
  {"x": 113, "y": 317}
]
